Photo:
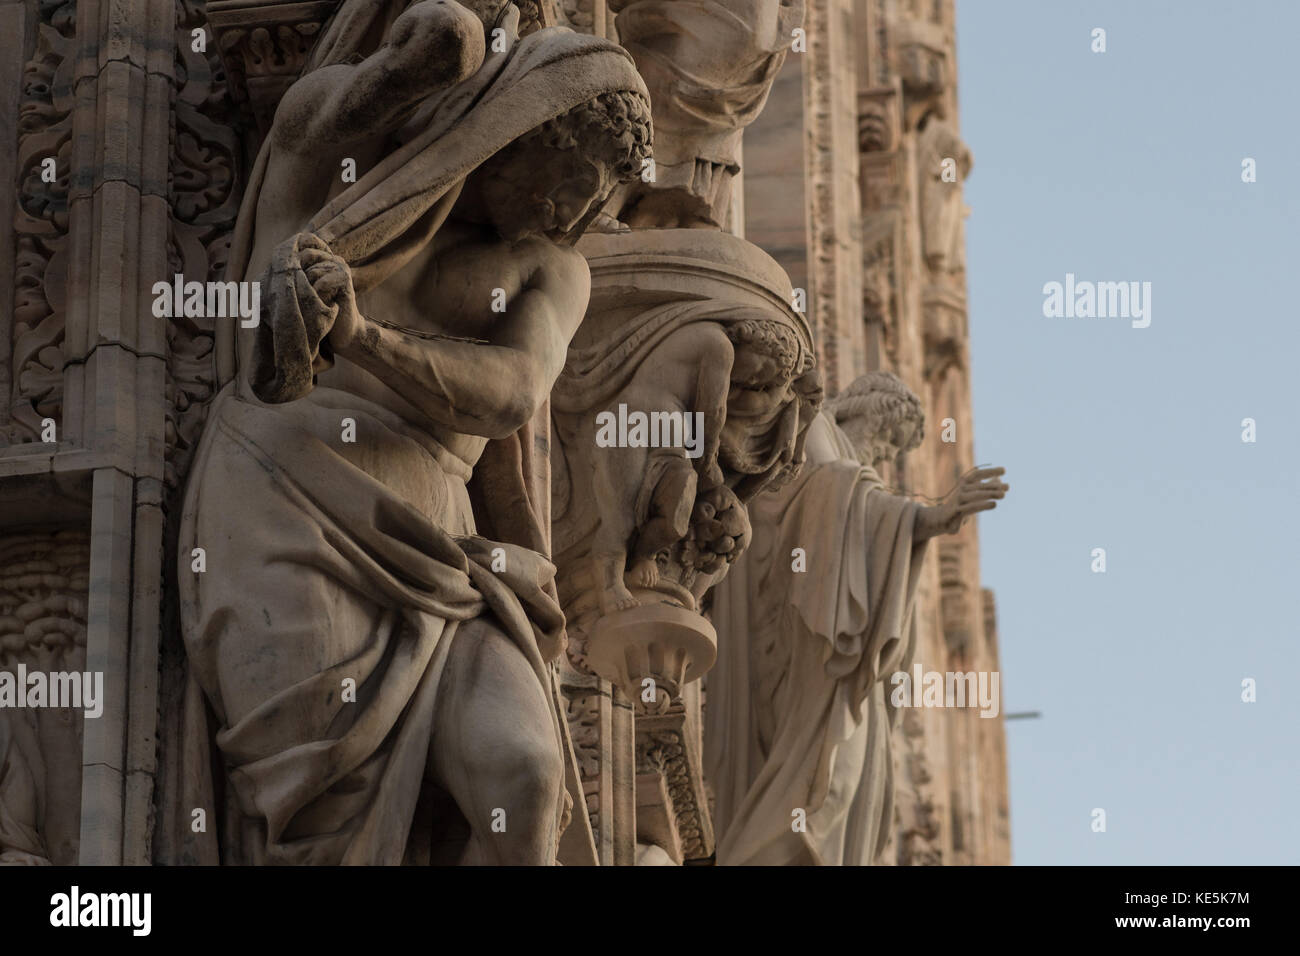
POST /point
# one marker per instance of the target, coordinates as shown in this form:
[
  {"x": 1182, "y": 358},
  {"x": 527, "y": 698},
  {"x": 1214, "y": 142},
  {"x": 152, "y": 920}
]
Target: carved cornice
[{"x": 264, "y": 46}]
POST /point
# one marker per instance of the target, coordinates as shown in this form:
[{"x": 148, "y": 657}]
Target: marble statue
[
  {"x": 941, "y": 204},
  {"x": 710, "y": 65},
  {"x": 389, "y": 530},
  {"x": 797, "y": 718},
  {"x": 380, "y": 674},
  {"x": 647, "y": 524}
]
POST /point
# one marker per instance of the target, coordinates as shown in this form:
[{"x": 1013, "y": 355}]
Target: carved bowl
[{"x": 664, "y": 642}]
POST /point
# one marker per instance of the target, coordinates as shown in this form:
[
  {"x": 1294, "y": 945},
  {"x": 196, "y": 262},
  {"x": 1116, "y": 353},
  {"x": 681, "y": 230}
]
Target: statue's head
[
  {"x": 553, "y": 180},
  {"x": 767, "y": 353},
  {"x": 881, "y": 416}
]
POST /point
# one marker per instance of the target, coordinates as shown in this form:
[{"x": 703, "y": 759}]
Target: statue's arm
[
  {"x": 489, "y": 388},
  {"x": 977, "y": 491},
  {"x": 475, "y": 388},
  {"x": 430, "y": 47}
]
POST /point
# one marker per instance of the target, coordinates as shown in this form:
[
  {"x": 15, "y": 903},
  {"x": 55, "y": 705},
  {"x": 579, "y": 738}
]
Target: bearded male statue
[
  {"x": 379, "y": 673},
  {"x": 797, "y": 717}
]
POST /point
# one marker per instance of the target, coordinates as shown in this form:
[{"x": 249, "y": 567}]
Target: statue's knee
[
  {"x": 499, "y": 727},
  {"x": 529, "y": 775},
  {"x": 537, "y": 768}
]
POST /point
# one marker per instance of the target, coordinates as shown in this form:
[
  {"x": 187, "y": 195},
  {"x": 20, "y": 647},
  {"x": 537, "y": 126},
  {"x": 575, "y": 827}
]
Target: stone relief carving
[
  {"x": 919, "y": 827},
  {"x": 43, "y": 586},
  {"x": 264, "y": 48},
  {"x": 672, "y": 813},
  {"x": 41, "y": 227},
  {"x": 404, "y": 560},
  {"x": 919, "y": 50},
  {"x": 206, "y": 185},
  {"x": 942, "y": 210},
  {"x": 882, "y": 180},
  {"x": 955, "y": 603},
  {"x": 686, "y": 325}
]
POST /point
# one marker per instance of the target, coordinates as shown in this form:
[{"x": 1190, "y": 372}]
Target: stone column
[{"x": 85, "y": 417}]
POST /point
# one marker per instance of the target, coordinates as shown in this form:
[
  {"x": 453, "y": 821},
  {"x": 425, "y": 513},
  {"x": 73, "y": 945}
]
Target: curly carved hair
[
  {"x": 887, "y": 403},
  {"x": 621, "y": 124},
  {"x": 772, "y": 339}
]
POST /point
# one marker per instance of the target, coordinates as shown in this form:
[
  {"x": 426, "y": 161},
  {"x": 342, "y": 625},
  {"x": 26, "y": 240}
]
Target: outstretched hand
[{"x": 978, "y": 490}]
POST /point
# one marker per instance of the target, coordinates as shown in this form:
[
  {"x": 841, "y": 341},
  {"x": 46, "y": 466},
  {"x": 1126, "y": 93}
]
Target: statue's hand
[
  {"x": 977, "y": 491},
  {"x": 332, "y": 279}
]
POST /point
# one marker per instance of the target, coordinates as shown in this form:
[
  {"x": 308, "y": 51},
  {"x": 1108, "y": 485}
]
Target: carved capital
[{"x": 264, "y": 45}]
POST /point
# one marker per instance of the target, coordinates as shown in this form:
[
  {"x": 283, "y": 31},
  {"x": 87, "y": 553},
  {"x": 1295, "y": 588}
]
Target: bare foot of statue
[{"x": 644, "y": 573}]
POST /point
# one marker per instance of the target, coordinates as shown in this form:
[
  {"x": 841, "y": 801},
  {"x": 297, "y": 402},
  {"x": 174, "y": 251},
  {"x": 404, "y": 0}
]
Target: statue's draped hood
[
  {"x": 538, "y": 78},
  {"x": 379, "y": 222}
]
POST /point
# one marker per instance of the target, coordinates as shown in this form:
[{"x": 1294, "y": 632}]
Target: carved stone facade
[
  {"x": 899, "y": 196},
  {"x": 793, "y": 230}
]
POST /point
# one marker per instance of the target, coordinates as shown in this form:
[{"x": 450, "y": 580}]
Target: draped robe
[
  {"x": 796, "y": 713},
  {"x": 328, "y": 560}
]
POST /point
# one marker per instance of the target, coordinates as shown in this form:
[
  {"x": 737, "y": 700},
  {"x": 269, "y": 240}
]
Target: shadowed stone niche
[{"x": 43, "y": 587}]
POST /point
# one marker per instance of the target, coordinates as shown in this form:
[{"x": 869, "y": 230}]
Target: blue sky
[{"x": 1126, "y": 165}]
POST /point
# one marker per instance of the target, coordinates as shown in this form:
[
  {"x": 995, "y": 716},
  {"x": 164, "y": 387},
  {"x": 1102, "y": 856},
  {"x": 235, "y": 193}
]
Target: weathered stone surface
[
  {"x": 815, "y": 620},
  {"x": 463, "y": 256},
  {"x": 709, "y": 67},
  {"x": 498, "y": 160}
]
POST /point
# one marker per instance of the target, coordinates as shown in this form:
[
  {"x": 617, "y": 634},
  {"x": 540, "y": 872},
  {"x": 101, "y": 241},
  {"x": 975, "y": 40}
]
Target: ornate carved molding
[
  {"x": 919, "y": 821},
  {"x": 672, "y": 806},
  {"x": 264, "y": 46},
  {"x": 954, "y": 601},
  {"x": 41, "y": 227},
  {"x": 206, "y": 184}
]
